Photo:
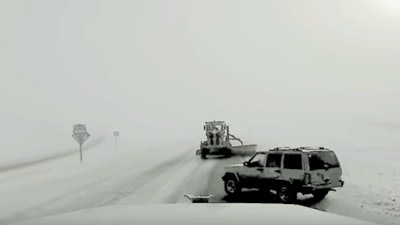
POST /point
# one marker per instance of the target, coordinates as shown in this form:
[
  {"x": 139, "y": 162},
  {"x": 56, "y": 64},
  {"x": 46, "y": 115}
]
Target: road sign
[
  {"x": 80, "y": 134},
  {"x": 116, "y": 133}
]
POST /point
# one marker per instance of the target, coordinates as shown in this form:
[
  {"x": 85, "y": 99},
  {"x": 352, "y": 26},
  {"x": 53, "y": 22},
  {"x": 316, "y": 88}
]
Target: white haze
[{"x": 279, "y": 72}]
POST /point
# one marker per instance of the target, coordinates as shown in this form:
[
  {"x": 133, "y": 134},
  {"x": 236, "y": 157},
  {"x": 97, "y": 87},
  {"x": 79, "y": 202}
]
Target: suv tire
[
  {"x": 320, "y": 194},
  {"x": 232, "y": 186},
  {"x": 286, "y": 194}
]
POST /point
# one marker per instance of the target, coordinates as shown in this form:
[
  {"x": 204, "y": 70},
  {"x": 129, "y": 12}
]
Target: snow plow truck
[{"x": 218, "y": 142}]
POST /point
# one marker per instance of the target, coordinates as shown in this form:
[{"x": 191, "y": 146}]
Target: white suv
[{"x": 287, "y": 171}]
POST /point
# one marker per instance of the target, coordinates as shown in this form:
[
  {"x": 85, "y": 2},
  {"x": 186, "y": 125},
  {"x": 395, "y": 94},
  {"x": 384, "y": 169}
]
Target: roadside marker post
[{"x": 116, "y": 135}]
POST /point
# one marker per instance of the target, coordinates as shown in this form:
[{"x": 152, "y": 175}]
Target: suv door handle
[
  {"x": 278, "y": 170},
  {"x": 260, "y": 169}
]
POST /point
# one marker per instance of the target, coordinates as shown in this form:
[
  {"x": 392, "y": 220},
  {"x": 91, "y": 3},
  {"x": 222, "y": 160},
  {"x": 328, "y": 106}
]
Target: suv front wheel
[
  {"x": 287, "y": 194},
  {"x": 232, "y": 186}
]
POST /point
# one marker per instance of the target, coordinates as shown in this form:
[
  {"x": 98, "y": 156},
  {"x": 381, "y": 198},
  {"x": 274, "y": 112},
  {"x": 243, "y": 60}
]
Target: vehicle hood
[{"x": 199, "y": 214}]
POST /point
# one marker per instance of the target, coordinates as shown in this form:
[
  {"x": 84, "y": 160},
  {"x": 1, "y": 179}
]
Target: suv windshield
[
  {"x": 322, "y": 160},
  {"x": 257, "y": 160}
]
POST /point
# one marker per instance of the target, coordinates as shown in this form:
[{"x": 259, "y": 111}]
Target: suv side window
[
  {"x": 292, "y": 161},
  {"x": 274, "y": 160}
]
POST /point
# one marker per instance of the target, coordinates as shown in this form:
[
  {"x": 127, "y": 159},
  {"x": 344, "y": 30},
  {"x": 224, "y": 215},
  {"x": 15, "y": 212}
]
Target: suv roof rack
[
  {"x": 298, "y": 148},
  {"x": 282, "y": 149},
  {"x": 312, "y": 148}
]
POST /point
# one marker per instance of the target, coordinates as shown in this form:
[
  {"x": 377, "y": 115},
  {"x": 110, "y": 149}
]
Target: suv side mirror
[{"x": 246, "y": 163}]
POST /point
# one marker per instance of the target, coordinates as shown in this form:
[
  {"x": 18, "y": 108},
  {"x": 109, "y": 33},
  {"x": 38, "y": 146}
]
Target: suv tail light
[{"x": 307, "y": 178}]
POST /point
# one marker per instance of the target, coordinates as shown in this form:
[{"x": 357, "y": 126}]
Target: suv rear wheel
[
  {"x": 232, "y": 186},
  {"x": 320, "y": 194}
]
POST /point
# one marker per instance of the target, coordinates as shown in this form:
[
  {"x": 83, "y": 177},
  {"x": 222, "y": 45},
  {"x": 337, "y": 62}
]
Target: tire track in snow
[
  {"x": 32, "y": 211},
  {"x": 135, "y": 182},
  {"x": 144, "y": 178},
  {"x": 188, "y": 178},
  {"x": 27, "y": 163}
]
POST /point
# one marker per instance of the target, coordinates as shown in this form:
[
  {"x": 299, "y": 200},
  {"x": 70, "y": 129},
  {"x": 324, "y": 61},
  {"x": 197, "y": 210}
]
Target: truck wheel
[
  {"x": 232, "y": 186},
  {"x": 286, "y": 195},
  {"x": 203, "y": 153},
  {"x": 320, "y": 194},
  {"x": 227, "y": 153}
]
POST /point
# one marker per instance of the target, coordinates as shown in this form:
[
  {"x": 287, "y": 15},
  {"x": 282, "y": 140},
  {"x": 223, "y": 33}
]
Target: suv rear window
[
  {"x": 322, "y": 160},
  {"x": 292, "y": 161}
]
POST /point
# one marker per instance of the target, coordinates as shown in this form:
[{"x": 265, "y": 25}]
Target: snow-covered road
[
  {"x": 163, "y": 175},
  {"x": 66, "y": 184},
  {"x": 15, "y": 164}
]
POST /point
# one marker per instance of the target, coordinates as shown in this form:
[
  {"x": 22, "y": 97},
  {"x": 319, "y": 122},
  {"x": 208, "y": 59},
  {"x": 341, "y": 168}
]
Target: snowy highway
[
  {"x": 159, "y": 175},
  {"x": 141, "y": 85},
  {"x": 48, "y": 157}
]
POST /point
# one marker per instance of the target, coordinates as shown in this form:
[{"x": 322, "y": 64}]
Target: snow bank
[{"x": 230, "y": 214}]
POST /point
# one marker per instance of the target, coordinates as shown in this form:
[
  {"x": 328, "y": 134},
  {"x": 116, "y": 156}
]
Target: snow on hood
[{"x": 199, "y": 214}]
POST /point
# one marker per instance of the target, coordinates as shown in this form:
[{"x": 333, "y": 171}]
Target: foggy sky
[{"x": 156, "y": 70}]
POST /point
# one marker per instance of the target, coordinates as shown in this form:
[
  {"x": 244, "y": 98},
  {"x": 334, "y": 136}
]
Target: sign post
[
  {"x": 80, "y": 134},
  {"x": 116, "y": 134}
]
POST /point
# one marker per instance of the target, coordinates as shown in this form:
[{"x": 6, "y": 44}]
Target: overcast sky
[{"x": 157, "y": 70}]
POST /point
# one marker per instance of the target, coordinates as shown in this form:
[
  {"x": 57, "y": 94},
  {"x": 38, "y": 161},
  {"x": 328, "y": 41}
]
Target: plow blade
[
  {"x": 241, "y": 150},
  {"x": 244, "y": 150}
]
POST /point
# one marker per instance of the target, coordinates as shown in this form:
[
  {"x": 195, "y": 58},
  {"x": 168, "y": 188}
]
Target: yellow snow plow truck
[{"x": 219, "y": 142}]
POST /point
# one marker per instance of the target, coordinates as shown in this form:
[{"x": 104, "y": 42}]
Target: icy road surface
[{"x": 164, "y": 174}]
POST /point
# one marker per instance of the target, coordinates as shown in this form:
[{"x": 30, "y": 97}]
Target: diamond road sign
[{"x": 80, "y": 133}]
